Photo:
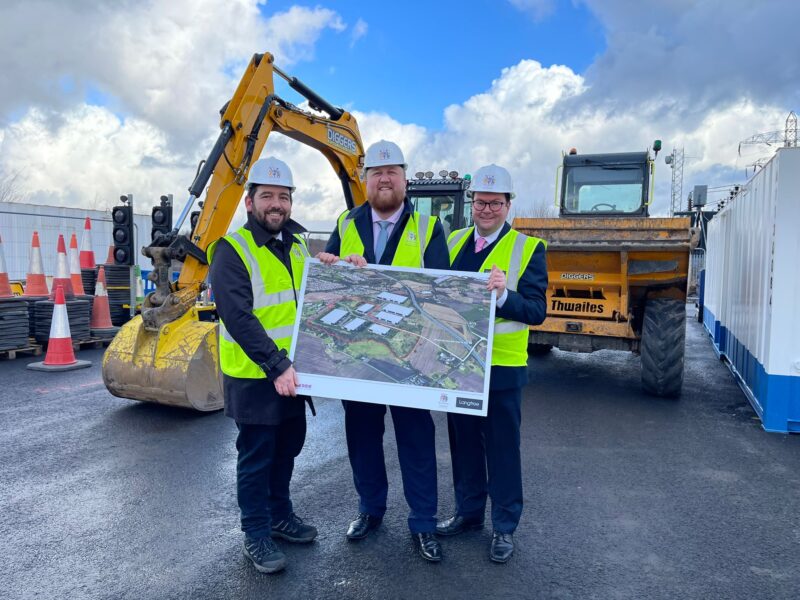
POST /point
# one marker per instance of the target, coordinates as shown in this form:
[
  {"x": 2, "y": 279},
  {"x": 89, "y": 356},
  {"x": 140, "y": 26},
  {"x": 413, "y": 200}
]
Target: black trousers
[
  {"x": 491, "y": 443},
  {"x": 263, "y": 471},
  {"x": 416, "y": 451}
]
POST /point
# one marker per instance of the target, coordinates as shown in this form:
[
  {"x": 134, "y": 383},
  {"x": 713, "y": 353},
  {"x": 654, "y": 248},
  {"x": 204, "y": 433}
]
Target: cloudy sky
[{"x": 104, "y": 97}]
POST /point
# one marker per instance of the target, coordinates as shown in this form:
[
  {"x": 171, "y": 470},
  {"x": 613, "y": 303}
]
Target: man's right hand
[
  {"x": 356, "y": 260},
  {"x": 327, "y": 258},
  {"x": 286, "y": 383}
]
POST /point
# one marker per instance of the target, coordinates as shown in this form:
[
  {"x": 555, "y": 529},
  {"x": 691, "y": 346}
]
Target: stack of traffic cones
[
  {"x": 87, "y": 254},
  {"x": 86, "y": 258},
  {"x": 5, "y": 285},
  {"x": 75, "y": 267},
  {"x": 35, "y": 283},
  {"x": 110, "y": 258},
  {"x": 60, "y": 355},
  {"x": 101, "y": 325}
]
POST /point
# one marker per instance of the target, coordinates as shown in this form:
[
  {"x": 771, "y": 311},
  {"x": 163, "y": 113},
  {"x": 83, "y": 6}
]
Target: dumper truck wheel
[{"x": 663, "y": 345}]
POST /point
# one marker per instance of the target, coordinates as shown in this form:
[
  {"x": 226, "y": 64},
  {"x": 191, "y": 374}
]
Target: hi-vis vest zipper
[
  {"x": 512, "y": 253},
  {"x": 274, "y": 299},
  {"x": 411, "y": 248}
]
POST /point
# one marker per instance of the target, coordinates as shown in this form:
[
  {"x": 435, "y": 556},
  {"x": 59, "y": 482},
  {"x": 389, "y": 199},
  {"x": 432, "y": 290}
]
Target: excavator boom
[{"x": 169, "y": 354}]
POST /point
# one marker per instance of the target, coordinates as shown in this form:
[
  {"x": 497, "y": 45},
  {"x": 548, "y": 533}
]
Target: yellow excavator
[{"x": 168, "y": 354}]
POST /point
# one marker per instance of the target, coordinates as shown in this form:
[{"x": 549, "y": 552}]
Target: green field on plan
[{"x": 394, "y": 326}]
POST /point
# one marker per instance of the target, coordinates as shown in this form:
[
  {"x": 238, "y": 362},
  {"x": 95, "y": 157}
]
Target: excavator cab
[{"x": 444, "y": 197}]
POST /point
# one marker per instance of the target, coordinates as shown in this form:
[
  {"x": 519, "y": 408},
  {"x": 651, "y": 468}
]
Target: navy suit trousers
[
  {"x": 263, "y": 471},
  {"x": 416, "y": 450},
  {"x": 491, "y": 443}
]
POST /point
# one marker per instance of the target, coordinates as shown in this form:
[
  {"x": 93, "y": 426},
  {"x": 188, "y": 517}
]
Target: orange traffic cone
[
  {"x": 62, "y": 277},
  {"x": 60, "y": 355},
  {"x": 75, "y": 267},
  {"x": 35, "y": 283},
  {"x": 110, "y": 257},
  {"x": 87, "y": 254},
  {"x": 101, "y": 325},
  {"x": 5, "y": 286}
]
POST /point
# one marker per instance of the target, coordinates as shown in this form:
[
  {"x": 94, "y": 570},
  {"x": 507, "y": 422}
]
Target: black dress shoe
[
  {"x": 428, "y": 546},
  {"x": 502, "y": 547},
  {"x": 363, "y": 524},
  {"x": 458, "y": 524}
]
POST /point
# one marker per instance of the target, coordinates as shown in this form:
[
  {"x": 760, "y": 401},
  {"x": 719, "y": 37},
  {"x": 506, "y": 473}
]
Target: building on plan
[
  {"x": 354, "y": 324},
  {"x": 365, "y": 308},
  {"x": 389, "y": 317},
  {"x": 334, "y": 316},
  {"x": 379, "y": 329},
  {"x": 403, "y": 311},
  {"x": 392, "y": 297}
]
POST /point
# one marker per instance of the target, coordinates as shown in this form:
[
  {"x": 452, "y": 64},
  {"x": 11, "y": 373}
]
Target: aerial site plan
[{"x": 410, "y": 337}]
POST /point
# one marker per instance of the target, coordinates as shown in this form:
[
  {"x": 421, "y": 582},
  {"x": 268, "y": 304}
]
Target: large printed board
[{"x": 390, "y": 335}]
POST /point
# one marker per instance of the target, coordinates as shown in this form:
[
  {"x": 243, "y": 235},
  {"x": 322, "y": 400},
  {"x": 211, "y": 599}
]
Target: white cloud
[
  {"x": 168, "y": 67},
  {"x": 359, "y": 31}
]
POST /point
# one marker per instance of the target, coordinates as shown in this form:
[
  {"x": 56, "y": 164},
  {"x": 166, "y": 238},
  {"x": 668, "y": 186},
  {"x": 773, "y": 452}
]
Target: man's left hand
[{"x": 497, "y": 281}]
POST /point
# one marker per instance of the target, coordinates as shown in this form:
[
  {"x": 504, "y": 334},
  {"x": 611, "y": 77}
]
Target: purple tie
[{"x": 480, "y": 244}]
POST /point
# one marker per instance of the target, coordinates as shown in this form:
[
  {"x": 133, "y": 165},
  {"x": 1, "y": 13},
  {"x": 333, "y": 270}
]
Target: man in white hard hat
[
  {"x": 492, "y": 443},
  {"x": 387, "y": 231},
  {"x": 255, "y": 273}
]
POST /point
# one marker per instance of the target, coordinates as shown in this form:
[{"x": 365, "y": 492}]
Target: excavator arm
[{"x": 169, "y": 354}]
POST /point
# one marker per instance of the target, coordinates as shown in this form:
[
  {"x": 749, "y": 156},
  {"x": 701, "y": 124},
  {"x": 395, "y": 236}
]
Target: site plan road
[{"x": 409, "y": 337}]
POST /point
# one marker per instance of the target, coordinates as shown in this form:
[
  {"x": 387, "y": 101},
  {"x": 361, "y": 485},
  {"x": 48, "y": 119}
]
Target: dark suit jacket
[{"x": 436, "y": 256}]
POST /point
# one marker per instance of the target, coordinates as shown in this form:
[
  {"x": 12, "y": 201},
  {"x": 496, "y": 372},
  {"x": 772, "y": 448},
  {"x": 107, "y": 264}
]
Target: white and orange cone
[
  {"x": 110, "y": 257},
  {"x": 5, "y": 285},
  {"x": 75, "y": 267},
  {"x": 62, "y": 277},
  {"x": 101, "y": 325},
  {"x": 87, "y": 254},
  {"x": 60, "y": 355},
  {"x": 35, "y": 282}
]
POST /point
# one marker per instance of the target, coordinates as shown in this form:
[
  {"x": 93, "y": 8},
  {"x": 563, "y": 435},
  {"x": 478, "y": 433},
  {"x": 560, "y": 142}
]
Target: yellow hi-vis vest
[
  {"x": 274, "y": 299},
  {"x": 512, "y": 253},
  {"x": 410, "y": 249}
]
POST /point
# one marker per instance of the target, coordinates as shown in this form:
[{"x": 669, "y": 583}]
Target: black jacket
[
  {"x": 527, "y": 305},
  {"x": 436, "y": 256},
  {"x": 252, "y": 401}
]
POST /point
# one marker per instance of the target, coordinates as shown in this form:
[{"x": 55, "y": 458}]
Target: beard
[
  {"x": 387, "y": 199},
  {"x": 266, "y": 219}
]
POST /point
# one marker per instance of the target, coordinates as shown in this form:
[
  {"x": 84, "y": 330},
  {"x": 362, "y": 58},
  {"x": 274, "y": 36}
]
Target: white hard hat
[
  {"x": 491, "y": 178},
  {"x": 382, "y": 154},
  {"x": 271, "y": 171}
]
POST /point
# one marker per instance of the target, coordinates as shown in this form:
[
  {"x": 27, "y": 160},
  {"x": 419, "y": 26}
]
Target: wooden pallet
[{"x": 33, "y": 350}]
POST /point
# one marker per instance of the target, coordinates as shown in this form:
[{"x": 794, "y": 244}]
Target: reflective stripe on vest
[
  {"x": 411, "y": 246},
  {"x": 274, "y": 308},
  {"x": 511, "y": 253}
]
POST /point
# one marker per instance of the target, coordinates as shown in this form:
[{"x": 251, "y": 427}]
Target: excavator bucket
[{"x": 177, "y": 365}]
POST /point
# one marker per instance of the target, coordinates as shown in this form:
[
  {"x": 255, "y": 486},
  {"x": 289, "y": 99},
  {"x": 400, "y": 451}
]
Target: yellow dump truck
[{"x": 618, "y": 277}]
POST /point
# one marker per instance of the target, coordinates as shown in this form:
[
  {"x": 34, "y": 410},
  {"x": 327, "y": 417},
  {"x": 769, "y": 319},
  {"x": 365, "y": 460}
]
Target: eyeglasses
[{"x": 494, "y": 205}]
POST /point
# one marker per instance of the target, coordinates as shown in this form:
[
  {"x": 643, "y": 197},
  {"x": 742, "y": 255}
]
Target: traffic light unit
[
  {"x": 161, "y": 217},
  {"x": 123, "y": 233}
]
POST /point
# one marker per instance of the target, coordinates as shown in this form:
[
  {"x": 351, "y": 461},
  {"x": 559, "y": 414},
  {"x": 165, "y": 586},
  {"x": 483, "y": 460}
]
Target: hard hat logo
[
  {"x": 384, "y": 154},
  {"x": 274, "y": 173},
  {"x": 488, "y": 180}
]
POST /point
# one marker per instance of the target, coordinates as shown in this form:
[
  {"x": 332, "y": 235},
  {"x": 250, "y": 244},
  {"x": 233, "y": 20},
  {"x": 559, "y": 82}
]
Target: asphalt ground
[{"x": 627, "y": 496}]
